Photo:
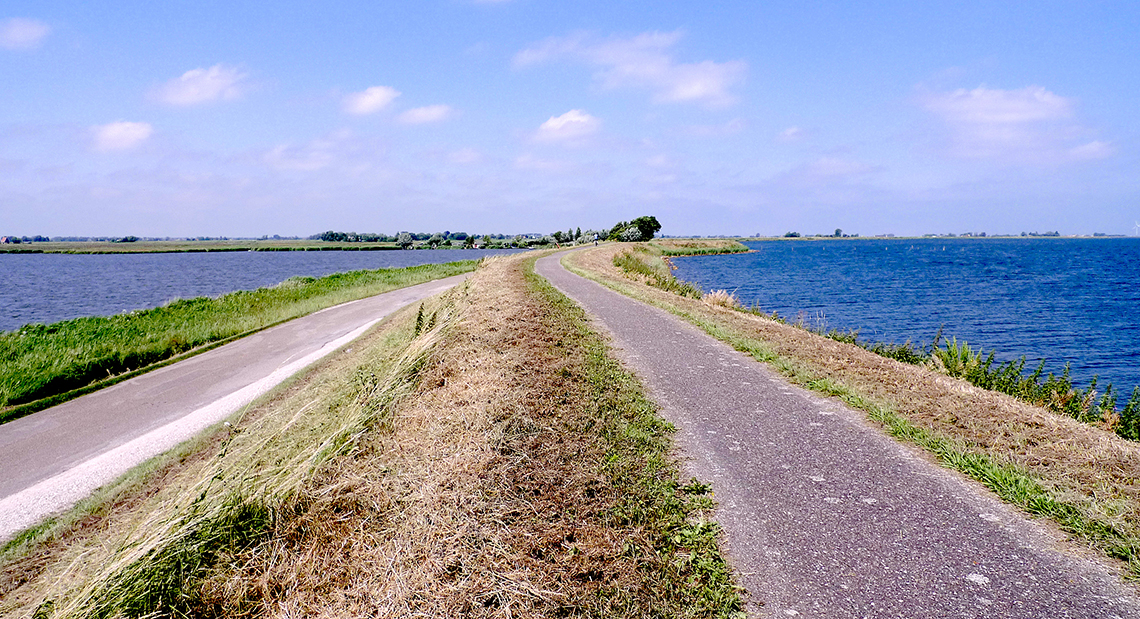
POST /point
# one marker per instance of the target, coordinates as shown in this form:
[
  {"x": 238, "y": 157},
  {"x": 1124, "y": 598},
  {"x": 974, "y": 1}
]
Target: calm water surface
[
  {"x": 47, "y": 288},
  {"x": 1062, "y": 300}
]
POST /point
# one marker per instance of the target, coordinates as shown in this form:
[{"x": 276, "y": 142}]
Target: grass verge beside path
[
  {"x": 1083, "y": 478},
  {"x": 46, "y": 364},
  {"x": 480, "y": 455}
]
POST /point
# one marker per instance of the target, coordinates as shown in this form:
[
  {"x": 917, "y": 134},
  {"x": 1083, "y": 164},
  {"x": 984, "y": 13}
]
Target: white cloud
[
  {"x": 427, "y": 114},
  {"x": 1025, "y": 125},
  {"x": 121, "y": 135},
  {"x": 370, "y": 100},
  {"x": 572, "y": 126},
  {"x": 994, "y": 106},
  {"x": 22, "y": 33},
  {"x": 203, "y": 86},
  {"x": 1093, "y": 150},
  {"x": 644, "y": 61},
  {"x": 791, "y": 134}
]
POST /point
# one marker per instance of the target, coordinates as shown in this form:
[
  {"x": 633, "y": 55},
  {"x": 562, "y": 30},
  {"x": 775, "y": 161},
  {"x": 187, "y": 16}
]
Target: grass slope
[
  {"x": 1084, "y": 478},
  {"x": 480, "y": 455},
  {"x": 45, "y": 361}
]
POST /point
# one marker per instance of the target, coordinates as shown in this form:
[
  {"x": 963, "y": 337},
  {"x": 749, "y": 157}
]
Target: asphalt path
[
  {"x": 826, "y": 516},
  {"x": 53, "y": 458}
]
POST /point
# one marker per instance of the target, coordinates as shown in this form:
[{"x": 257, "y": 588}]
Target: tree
[
  {"x": 641, "y": 229},
  {"x": 578, "y": 233},
  {"x": 648, "y": 225},
  {"x": 404, "y": 240},
  {"x": 838, "y": 232},
  {"x": 435, "y": 240},
  {"x": 557, "y": 236}
]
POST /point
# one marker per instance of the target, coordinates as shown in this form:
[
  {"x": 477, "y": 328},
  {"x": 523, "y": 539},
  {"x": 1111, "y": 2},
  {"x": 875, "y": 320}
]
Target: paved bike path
[
  {"x": 53, "y": 458},
  {"x": 826, "y": 516}
]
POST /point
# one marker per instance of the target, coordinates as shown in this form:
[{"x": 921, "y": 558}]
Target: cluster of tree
[
  {"x": 838, "y": 234},
  {"x": 641, "y": 229},
  {"x": 1053, "y": 233},
  {"x": 371, "y": 237},
  {"x": 16, "y": 240}
]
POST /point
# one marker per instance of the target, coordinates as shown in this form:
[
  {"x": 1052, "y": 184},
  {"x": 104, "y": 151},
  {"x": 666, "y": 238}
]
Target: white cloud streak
[
  {"x": 198, "y": 86},
  {"x": 1022, "y": 125},
  {"x": 644, "y": 61},
  {"x": 370, "y": 100},
  {"x": 19, "y": 33},
  {"x": 426, "y": 114},
  {"x": 573, "y": 126},
  {"x": 120, "y": 135}
]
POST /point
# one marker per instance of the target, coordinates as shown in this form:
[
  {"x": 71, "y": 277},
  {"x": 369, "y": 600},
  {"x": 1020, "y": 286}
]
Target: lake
[
  {"x": 1063, "y": 300},
  {"x": 48, "y": 288}
]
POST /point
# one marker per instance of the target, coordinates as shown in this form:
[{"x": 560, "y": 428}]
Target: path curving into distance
[
  {"x": 51, "y": 459},
  {"x": 825, "y": 515}
]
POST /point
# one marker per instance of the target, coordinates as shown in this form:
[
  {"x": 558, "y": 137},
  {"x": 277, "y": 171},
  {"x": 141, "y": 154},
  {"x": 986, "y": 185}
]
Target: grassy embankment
[
  {"x": 1082, "y": 476},
  {"x": 184, "y": 246},
  {"x": 481, "y": 455},
  {"x": 46, "y": 364}
]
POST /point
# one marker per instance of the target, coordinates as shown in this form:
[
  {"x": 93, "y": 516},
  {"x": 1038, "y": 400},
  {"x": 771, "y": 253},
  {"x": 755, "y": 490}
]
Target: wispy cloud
[
  {"x": 197, "y": 86},
  {"x": 644, "y": 61},
  {"x": 22, "y": 33},
  {"x": 121, "y": 135},
  {"x": 791, "y": 134},
  {"x": 426, "y": 114},
  {"x": 1028, "y": 124},
  {"x": 370, "y": 100},
  {"x": 573, "y": 126}
]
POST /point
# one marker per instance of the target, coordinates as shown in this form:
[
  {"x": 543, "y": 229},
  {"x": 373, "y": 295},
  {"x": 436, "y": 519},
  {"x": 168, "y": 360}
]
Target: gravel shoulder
[{"x": 826, "y": 516}]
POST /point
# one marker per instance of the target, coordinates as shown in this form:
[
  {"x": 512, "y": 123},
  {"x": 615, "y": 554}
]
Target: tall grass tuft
[
  {"x": 636, "y": 262},
  {"x": 41, "y": 361}
]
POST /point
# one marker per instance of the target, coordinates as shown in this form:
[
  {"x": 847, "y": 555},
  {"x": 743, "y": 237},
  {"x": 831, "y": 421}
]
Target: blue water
[
  {"x": 1071, "y": 301},
  {"x": 47, "y": 288}
]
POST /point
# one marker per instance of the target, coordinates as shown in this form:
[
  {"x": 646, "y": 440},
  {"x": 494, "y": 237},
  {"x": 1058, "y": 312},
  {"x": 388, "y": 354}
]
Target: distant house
[{"x": 9, "y": 239}]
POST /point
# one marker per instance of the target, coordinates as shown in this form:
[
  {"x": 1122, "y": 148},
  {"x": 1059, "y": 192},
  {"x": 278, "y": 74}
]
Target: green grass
[
  {"x": 232, "y": 503},
  {"x": 44, "y": 362},
  {"x": 699, "y": 248},
  {"x": 684, "y": 567},
  {"x": 645, "y": 261}
]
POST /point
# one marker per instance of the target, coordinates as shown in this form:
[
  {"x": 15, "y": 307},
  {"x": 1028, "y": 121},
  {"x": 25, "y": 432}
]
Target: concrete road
[
  {"x": 51, "y": 459},
  {"x": 826, "y": 516}
]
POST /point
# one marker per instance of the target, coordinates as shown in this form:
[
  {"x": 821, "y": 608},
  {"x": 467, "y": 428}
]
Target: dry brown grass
[
  {"x": 723, "y": 298},
  {"x": 485, "y": 500},
  {"x": 481, "y": 494},
  {"x": 1077, "y": 463}
]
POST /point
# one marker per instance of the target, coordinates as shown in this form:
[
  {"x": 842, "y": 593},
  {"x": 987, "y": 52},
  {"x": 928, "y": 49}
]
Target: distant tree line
[{"x": 640, "y": 229}]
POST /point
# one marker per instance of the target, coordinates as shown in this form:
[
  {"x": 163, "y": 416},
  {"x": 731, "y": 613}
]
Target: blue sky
[{"x": 251, "y": 118}]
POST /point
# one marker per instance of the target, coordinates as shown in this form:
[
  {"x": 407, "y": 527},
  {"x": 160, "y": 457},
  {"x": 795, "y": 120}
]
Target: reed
[{"x": 44, "y": 361}]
